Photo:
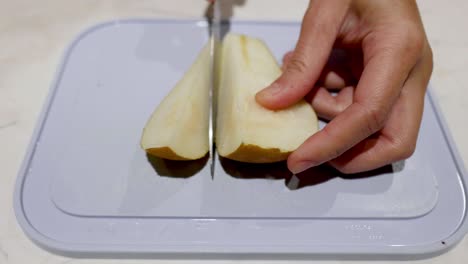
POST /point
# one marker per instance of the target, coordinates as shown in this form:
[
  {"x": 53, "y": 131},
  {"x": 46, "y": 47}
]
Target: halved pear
[
  {"x": 245, "y": 130},
  {"x": 178, "y": 128}
]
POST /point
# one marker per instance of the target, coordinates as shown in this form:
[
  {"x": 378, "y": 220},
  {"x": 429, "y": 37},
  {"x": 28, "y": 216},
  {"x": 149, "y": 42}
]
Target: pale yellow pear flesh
[
  {"x": 245, "y": 130},
  {"x": 178, "y": 128}
]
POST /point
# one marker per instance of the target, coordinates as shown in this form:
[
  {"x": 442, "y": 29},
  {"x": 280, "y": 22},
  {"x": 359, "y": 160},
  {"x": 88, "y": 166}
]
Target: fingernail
[
  {"x": 272, "y": 90},
  {"x": 302, "y": 166}
]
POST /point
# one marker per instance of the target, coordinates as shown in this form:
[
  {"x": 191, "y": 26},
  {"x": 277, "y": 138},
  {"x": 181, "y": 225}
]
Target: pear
[
  {"x": 178, "y": 128},
  {"x": 245, "y": 130}
]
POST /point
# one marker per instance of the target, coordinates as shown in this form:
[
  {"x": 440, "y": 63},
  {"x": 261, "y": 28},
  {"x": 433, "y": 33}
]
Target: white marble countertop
[{"x": 34, "y": 34}]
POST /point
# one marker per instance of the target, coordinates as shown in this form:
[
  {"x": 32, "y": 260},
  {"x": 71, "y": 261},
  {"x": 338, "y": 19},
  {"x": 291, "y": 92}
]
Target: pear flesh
[
  {"x": 178, "y": 128},
  {"x": 245, "y": 130}
]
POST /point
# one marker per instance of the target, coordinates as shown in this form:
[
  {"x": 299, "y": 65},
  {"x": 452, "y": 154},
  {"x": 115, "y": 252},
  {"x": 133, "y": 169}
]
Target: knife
[{"x": 214, "y": 23}]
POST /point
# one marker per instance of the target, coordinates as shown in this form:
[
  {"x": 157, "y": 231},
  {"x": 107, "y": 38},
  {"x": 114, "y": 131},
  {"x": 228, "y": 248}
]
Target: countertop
[{"x": 34, "y": 34}]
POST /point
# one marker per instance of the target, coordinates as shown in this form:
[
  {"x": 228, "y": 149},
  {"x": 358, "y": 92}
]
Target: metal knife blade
[{"x": 214, "y": 19}]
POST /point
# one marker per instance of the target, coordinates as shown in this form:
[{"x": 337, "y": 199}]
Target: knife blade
[{"x": 214, "y": 20}]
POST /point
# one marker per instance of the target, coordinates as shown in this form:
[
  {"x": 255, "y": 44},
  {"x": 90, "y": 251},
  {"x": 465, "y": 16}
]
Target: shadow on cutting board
[
  {"x": 311, "y": 177},
  {"x": 176, "y": 168}
]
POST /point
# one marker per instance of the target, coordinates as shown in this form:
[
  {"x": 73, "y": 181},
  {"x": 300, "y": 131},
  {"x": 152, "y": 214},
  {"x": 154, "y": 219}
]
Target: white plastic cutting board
[{"x": 87, "y": 187}]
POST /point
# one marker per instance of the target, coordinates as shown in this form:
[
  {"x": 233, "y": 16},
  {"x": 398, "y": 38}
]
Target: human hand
[{"x": 376, "y": 115}]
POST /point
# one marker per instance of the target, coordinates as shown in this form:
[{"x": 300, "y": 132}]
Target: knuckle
[
  {"x": 378, "y": 117},
  {"x": 404, "y": 149},
  {"x": 297, "y": 65},
  {"x": 298, "y": 61},
  {"x": 430, "y": 58},
  {"x": 375, "y": 118},
  {"x": 334, "y": 152},
  {"x": 407, "y": 40},
  {"x": 413, "y": 39},
  {"x": 340, "y": 107}
]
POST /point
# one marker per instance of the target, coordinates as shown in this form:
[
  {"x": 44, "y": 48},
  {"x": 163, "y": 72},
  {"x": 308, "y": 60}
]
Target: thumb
[{"x": 319, "y": 30}]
